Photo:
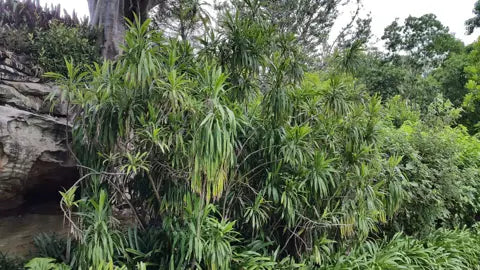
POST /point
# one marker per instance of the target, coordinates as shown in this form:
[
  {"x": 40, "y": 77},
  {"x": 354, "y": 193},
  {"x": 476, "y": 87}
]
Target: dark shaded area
[
  {"x": 44, "y": 196},
  {"x": 51, "y": 178}
]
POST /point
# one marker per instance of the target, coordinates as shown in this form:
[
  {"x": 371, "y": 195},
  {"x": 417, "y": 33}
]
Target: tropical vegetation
[{"x": 242, "y": 150}]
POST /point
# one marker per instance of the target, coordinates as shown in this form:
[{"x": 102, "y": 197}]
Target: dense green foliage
[
  {"x": 45, "y": 36},
  {"x": 425, "y": 40},
  {"x": 9, "y": 263},
  {"x": 441, "y": 165},
  {"x": 236, "y": 155},
  {"x": 442, "y": 249}
]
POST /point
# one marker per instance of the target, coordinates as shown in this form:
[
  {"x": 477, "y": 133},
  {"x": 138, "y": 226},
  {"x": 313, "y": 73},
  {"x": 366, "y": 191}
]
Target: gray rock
[
  {"x": 33, "y": 153},
  {"x": 33, "y": 97},
  {"x": 13, "y": 70}
]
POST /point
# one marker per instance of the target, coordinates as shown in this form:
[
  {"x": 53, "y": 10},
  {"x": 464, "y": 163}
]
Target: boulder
[{"x": 33, "y": 153}]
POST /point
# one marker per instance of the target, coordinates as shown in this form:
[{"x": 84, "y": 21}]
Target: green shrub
[
  {"x": 440, "y": 162},
  {"x": 50, "y": 47},
  {"x": 443, "y": 249},
  {"x": 142, "y": 245},
  {"x": 51, "y": 246},
  {"x": 45, "y": 37},
  {"x": 15, "y": 40},
  {"x": 9, "y": 263},
  {"x": 45, "y": 264},
  {"x": 100, "y": 239}
]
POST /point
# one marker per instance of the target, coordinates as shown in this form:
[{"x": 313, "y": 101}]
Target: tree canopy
[
  {"x": 425, "y": 39},
  {"x": 473, "y": 22}
]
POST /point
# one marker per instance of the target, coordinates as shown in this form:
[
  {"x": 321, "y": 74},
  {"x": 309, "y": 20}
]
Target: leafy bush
[
  {"x": 443, "y": 249},
  {"x": 50, "y": 47},
  {"x": 51, "y": 246},
  {"x": 440, "y": 162},
  {"x": 142, "y": 246},
  {"x": 99, "y": 239},
  {"x": 45, "y": 264},
  {"x": 15, "y": 40},
  {"x": 9, "y": 263},
  {"x": 45, "y": 36}
]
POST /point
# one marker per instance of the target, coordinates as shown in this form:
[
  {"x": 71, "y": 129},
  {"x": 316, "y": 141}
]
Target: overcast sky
[{"x": 451, "y": 13}]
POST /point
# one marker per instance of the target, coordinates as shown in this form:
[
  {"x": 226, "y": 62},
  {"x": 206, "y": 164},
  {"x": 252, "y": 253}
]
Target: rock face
[
  {"x": 34, "y": 158},
  {"x": 11, "y": 68}
]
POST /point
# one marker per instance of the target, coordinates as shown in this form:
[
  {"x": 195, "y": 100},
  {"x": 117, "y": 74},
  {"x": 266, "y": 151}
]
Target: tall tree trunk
[{"x": 109, "y": 16}]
